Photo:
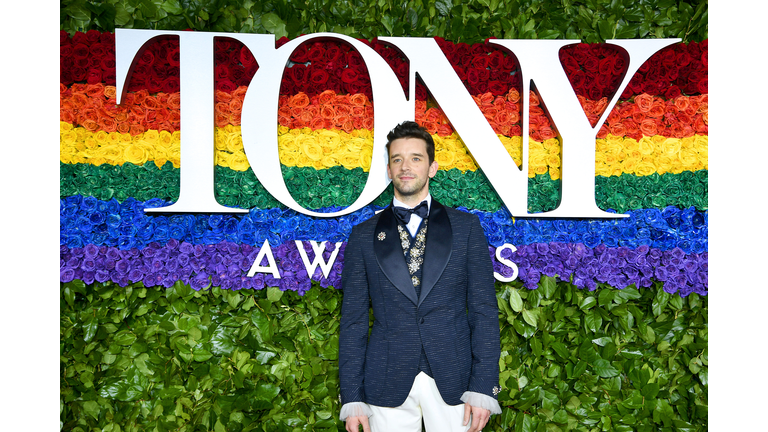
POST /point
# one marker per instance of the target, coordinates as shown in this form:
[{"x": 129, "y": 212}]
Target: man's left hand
[{"x": 480, "y": 417}]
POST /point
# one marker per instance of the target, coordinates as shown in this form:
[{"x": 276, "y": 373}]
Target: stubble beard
[{"x": 415, "y": 189}]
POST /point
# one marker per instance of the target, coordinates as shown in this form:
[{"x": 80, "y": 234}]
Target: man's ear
[
  {"x": 389, "y": 172},
  {"x": 432, "y": 169}
]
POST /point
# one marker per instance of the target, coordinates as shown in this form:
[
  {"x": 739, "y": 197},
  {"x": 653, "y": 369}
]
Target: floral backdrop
[{"x": 651, "y": 163}]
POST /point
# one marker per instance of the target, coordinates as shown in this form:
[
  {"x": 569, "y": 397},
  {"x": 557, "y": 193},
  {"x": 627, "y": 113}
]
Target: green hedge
[
  {"x": 155, "y": 359},
  {"x": 469, "y": 21}
]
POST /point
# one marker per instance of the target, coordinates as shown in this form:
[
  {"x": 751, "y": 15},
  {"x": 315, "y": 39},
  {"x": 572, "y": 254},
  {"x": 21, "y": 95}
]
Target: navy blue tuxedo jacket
[{"x": 456, "y": 318}]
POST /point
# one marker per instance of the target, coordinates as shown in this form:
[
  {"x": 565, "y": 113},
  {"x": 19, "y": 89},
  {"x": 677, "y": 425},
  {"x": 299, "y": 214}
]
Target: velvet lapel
[
  {"x": 389, "y": 253},
  {"x": 438, "y": 249}
]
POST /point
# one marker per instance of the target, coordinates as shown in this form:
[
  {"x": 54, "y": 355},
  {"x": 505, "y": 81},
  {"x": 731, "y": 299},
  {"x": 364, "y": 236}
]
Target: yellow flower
[
  {"x": 174, "y": 155},
  {"x": 330, "y": 139},
  {"x": 552, "y": 145},
  {"x": 671, "y": 146},
  {"x": 688, "y": 158},
  {"x": 628, "y": 165},
  {"x": 112, "y": 153},
  {"x": 151, "y": 136},
  {"x": 312, "y": 150},
  {"x": 289, "y": 159},
  {"x": 64, "y": 127},
  {"x": 66, "y": 153},
  {"x": 553, "y": 160},
  {"x": 238, "y": 161},
  {"x": 349, "y": 161},
  {"x": 444, "y": 159},
  {"x": 646, "y": 145},
  {"x": 329, "y": 161},
  {"x": 221, "y": 158},
  {"x": 164, "y": 139},
  {"x": 135, "y": 154},
  {"x": 663, "y": 164},
  {"x": 114, "y": 138},
  {"x": 68, "y": 138},
  {"x": 90, "y": 142},
  {"x": 366, "y": 155},
  {"x": 554, "y": 173},
  {"x": 101, "y": 137}
]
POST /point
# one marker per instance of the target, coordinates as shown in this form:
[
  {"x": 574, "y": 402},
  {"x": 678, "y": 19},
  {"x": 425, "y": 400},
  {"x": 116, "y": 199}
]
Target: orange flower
[
  {"x": 124, "y": 127},
  {"x": 222, "y": 96},
  {"x": 513, "y": 96},
  {"x": 682, "y": 102},
  {"x": 299, "y": 100},
  {"x": 431, "y": 127},
  {"x": 327, "y": 112},
  {"x": 657, "y": 109},
  {"x": 648, "y": 127},
  {"x": 95, "y": 90},
  {"x": 136, "y": 129},
  {"x": 534, "y": 100},
  {"x": 546, "y": 133},
  {"x": 486, "y": 99},
  {"x": 444, "y": 130},
  {"x": 617, "y": 129},
  {"x": 174, "y": 101},
  {"x": 644, "y": 102},
  {"x": 359, "y": 99},
  {"x": 600, "y": 106},
  {"x": 326, "y": 97}
]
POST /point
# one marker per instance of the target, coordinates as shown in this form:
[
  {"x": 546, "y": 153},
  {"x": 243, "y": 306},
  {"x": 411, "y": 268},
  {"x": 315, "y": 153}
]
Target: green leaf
[
  {"x": 444, "y": 7},
  {"x": 89, "y": 327},
  {"x": 547, "y": 286},
  {"x": 125, "y": 337},
  {"x": 604, "y": 368},
  {"x": 593, "y": 320},
  {"x": 274, "y": 24},
  {"x": 587, "y": 303},
  {"x": 515, "y": 301},
  {"x": 529, "y": 317},
  {"x": 274, "y": 294}
]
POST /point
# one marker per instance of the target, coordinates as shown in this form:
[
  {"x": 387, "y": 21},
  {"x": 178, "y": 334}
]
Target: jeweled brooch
[{"x": 381, "y": 236}]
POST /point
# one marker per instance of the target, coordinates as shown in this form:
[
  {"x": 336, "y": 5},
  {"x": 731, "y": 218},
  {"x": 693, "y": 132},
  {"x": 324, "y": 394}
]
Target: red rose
[
  {"x": 107, "y": 39},
  {"x": 496, "y": 60},
  {"x": 703, "y": 86},
  {"x": 226, "y": 85},
  {"x": 619, "y": 63},
  {"x": 473, "y": 76},
  {"x": 80, "y": 51},
  {"x": 79, "y": 38},
  {"x": 94, "y": 76},
  {"x": 595, "y": 92},
  {"x": 93, "y": 36},
  {"x": 497, "y": 88},
  {"x": 354, "y": 60},
  {"x": 171, "y": 84},
  {"x": 316, "y": 52},
  {"x": 332, "y": 53},
  {"x": 606, "y": 66},
  {"x": 591, "y": 64},
  {"x": 63, "y": 38},
  {"x": 480, "y": 61}
]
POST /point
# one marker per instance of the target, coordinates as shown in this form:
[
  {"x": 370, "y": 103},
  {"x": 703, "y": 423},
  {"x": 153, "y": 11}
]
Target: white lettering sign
[{"x": 539, "y": 62}]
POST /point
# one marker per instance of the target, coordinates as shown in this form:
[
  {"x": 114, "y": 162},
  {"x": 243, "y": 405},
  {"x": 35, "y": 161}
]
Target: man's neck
[{"x": 412, "y": 200}]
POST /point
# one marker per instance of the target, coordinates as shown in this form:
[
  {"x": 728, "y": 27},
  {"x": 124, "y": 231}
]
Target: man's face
[{"x": 409, "y": 169}]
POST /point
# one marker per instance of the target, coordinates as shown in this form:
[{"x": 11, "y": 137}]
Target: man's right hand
[{"x": 353, "y": 423}]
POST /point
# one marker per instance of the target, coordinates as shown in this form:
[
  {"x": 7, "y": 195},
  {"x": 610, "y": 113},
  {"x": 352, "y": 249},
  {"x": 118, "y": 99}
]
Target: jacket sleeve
[
  {"x": 353, "y": 337},
  {"x": 483, "y": 314}
]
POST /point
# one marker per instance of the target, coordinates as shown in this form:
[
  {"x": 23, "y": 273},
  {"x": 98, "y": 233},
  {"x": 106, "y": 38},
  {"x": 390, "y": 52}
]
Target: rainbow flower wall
[
  {"x": 651, "y": 163},
  {"x": 604, "y": 327}
]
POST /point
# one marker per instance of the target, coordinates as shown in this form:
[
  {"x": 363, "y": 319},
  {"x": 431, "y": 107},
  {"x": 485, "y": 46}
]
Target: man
[{"x": 425, "y": 271}]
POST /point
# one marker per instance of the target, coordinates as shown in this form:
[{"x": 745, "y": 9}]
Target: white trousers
[{"x": 425, "y": 401}]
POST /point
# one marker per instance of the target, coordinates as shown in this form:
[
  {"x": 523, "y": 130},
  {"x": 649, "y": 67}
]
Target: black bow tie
[{"x": 404, "y": 214}]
